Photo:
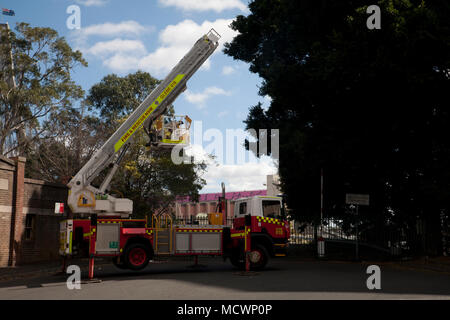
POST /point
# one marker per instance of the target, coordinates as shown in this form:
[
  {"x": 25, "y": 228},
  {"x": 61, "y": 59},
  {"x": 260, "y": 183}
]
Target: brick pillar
[
  {"x": 18, "y": 218},
  {"x": 190, "y": 210},
  {"x": 177, "y": 209}
]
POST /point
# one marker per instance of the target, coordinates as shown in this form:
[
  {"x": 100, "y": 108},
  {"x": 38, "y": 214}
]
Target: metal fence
[
  {"x": 306, "y": 233},
  {"x": 394, "y": 240}
]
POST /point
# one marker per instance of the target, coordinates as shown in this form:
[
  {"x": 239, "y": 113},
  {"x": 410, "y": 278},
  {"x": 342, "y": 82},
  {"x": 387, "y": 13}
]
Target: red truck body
[{"x": 133, "y": 242}]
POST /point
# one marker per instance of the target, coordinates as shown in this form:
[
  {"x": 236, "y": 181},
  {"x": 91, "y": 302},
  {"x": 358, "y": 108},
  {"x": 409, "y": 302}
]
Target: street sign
[
  {"x": 357, "y": 199},
  {"x": 59, "y": 207}
]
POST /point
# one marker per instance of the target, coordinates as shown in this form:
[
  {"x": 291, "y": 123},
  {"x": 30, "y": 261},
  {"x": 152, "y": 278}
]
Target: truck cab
[
  {"x": 261, "y": 218},
  {"x": 262, "y": 206}
]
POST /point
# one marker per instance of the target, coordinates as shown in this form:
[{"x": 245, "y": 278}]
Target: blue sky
[{"x": 125, "y": 36}]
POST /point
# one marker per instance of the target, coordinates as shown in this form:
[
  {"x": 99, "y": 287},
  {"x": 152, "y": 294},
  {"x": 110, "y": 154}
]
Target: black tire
[
  {"x": 120, "y": 265},
  {"x": 258, "y": 252},
  {"x": 235, "y": 260},
  {"x": 137, "y": 256}
]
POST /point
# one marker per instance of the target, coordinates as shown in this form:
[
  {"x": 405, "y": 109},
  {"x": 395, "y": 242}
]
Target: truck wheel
[
  {"x": 137, "y": 256},
  {"x": 235, "y": 261},
  {"x": 258, "y": 257},
  {"x": 120, "y": 265}
]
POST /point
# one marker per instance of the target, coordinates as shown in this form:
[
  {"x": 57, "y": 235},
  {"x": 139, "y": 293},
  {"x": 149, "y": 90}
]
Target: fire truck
[
  {"x": 258, "y": 233},
  {"x": 101, "y": 224}
]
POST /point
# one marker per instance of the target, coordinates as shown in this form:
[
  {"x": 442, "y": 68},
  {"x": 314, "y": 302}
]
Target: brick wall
[
  {"x": 29, "y": 227},
  {"x": 7, "y": 172},
  {"x": 188, "y": 209},
  {"x": 39, "y": 202}
]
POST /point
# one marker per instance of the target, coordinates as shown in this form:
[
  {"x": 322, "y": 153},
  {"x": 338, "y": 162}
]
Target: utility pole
[
  {"x": 321, "y": 242},
  {"x": 321, "y": 200},
  {"x": 357, "y": 233},
  {"x": 224, "y": 205}
]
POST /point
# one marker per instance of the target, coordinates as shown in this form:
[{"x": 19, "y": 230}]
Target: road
[{"x": 283, "y": 279}]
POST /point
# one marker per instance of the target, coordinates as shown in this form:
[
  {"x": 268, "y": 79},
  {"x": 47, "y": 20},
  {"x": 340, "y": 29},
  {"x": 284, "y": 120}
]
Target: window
[
  {"x": 243, "y": 208},
  {"x": 271, "y": 208},
  {"x": 29, "y": 226}
]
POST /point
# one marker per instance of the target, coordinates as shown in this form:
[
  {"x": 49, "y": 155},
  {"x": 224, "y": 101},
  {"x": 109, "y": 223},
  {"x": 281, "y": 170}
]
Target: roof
[{"x": 228, "y": 195}]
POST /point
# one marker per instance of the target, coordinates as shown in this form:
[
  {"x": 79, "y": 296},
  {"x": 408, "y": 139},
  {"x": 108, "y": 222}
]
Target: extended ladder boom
[{"x": 82, "y": 196}]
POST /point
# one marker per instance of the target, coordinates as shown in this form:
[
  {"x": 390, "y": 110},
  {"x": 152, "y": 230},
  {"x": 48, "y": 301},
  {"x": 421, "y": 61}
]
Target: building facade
[
  {"x": 273, "y": 185},
  {"x": 29, "y": 228},
  {"x": 207, "y": 203}
]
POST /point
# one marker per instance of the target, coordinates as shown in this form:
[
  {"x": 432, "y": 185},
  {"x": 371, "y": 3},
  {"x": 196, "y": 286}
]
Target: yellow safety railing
[{"x": 162, "y": 223}]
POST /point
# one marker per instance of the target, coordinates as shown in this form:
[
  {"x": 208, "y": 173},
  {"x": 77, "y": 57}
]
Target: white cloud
[
  {"x": 177, "y": 39},
  {"x": 251, "y": 175},
  {"x": 200, "y": 98},
  {"x": 120, "y": 62},
  {"x": 247, "y": 176},
  {"x": 267, "y": 100},
  {"x": 199, "y": 154},
  {"x": 222, "y": 114},
  {"x": 117, "y": 46},
  {"x": 124, "y": 28},
  {"x": 92, "y": 3},
  {"x": 227, "y": 70},
  {"x": 174, "y": 42},
  {"x": 112, "y": 52},
  {"x": 205, "y": 5}
]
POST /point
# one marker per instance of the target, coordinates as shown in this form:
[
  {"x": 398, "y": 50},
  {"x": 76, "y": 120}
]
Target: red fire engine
[
  {"x": 105, "y": 229},
  {"x": 258, "y": 232}
]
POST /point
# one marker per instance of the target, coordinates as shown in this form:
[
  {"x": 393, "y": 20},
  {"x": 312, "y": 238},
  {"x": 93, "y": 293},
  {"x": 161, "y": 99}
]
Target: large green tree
[
  {"x": 35, "y": 83},
  {"x": 369, "y": 107},
  {"x": 114, "y": 97},
  {"x": 148, "y": 177}
]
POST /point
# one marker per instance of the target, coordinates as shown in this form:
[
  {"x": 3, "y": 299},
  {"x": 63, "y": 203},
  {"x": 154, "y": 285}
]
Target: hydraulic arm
[{"x": 85, "y": 198}]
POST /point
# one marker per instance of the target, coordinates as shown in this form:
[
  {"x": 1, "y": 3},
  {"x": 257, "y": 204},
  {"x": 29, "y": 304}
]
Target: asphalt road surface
[{"x": 284, "y": 278}]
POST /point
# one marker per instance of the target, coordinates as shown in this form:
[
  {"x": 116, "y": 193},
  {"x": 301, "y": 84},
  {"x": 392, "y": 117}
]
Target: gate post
[
  {"x": 247, "y": 248},
  {"x": 92, "y": 239},
  {"x": 248, "y": 245},
  {"x": 321, "y": 247}
]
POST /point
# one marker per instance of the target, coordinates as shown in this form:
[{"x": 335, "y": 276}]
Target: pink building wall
[{"x": 207, "y": 203}]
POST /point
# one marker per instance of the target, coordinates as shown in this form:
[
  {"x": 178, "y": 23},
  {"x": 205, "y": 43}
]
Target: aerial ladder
[
  {"x": 86, "y": 199},
  {"x": 102, "y": 227}
]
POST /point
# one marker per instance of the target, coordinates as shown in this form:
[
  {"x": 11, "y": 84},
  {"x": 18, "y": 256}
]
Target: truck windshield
[{"x": 271, "y": 208}]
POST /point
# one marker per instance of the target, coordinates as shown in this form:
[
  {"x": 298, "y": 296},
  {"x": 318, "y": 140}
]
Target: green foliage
[
  {"x": 40, "y": 117},
  {"x": 35, "y": 83},
  {"x": 370, "y": 107},
  {"x": 152, "y": 181},
  {"x": 116, "y": 97}
]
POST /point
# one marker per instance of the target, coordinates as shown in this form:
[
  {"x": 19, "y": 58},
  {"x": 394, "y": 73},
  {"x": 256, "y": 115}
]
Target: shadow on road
[{"x": 283, "y": 275}]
